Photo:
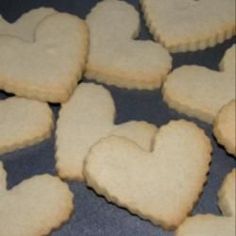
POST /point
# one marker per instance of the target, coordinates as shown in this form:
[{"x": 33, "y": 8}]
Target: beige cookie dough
[
  {"x": 224, "y": 127},
  {"x": 115, "y": 57},
  {"x": 190, "y": 25},
  {"x": 201, "y": 92},
  {"x": 24, "y": 28},
  {"x": 86, "y": 118},
  {"x": 34, "y": 207},
  {"x": 162, "y": 185},
  {"x": 49, "y": 68},
  {"x": 212, "y": 225},
  {"x": 23, "y": 122}
]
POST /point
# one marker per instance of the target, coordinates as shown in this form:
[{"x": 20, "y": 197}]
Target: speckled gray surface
[{"x": 93, "y": 215}]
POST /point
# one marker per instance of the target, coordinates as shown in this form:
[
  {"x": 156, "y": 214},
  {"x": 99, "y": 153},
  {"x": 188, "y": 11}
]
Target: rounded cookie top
[
  {"x": 200, "y": 92},
  {"x": 224, "y": 127},
  {"x": 23, "y": 122},
  {"x": 115, "y": 57},
  {"x": 36, "y": 206},
  {"x": 161, "y": 185},
  {"x": 190, "y": 25},
  {"x": 48, "y": 68}
]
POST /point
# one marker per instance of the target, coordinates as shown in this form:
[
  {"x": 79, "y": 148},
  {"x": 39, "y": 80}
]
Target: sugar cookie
[
  {"x": 161, "y": 185},
  {"x": 201, "y": 92},
  {"x": 212, "y": 225},
  {"x": 190, "y": 25},
  {"x": 35, "y": 206},
  {"x": 224, "y": 127},
  {"x": 48, "y": 68},
  {"x": 23, "y": 122},
  {"x": 24, "y": 28},
  {"x": 87, "y": 117},
  {"x": 115, "y": 57}
]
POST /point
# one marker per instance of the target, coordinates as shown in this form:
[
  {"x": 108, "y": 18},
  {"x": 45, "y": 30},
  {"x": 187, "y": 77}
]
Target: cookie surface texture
[
  {"x": 190, "y": 25},
  {"x": 143, "y": 181},
  {"x": 87, "y": 117},
  {"x": 49, "y": 68},
  {"x": 35, "y": 206},
  {"x": 212, "y": 225},
  {"x": 24, "y": 27},
  {"x": 224, "y": 127},
  {"x": 115, "y": 57},
  {"x": 201, "y": 92},
  {"x": 23, "y": 122}
]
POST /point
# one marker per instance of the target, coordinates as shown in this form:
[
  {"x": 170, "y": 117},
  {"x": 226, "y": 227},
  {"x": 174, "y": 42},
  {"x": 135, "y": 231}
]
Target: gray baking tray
[{"x": 93, "y": 215}]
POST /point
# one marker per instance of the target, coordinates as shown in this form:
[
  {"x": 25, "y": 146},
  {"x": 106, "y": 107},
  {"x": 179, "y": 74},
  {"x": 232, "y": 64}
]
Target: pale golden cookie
[
  {"x": 34, "y": 207},
  {"x": 24, "y": 28},
  {"x": 115, "y": 57},
  {"x": 23, "y": 122},
  {"x": 161, "y": 186},
  {"x": 190, "y": 25},
  {"x": 212, "y": 225},
  {"x": 224, "y": 127},
  {"x": 86, "y": 118},
  {"x": 49, "y": 68},
  {"x": 201, "y": 92}
]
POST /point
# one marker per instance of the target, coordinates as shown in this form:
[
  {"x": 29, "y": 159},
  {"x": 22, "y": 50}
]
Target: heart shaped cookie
[
  {"x": 23, "y": 122},
  {"x": 224, "y": 127},
  {"x": 35, "y": 206},
  {"x": 161, "y": 186},
  {"x": 47, "y": 69},
  {"x": 201, "y": 92},
  {"x": 189, "y": 25},
  {"x": 86, "y": 118},
  {"x": 212, "y": 225},
  {"x": 24, "y": 28},
  {"x": 115, "y": 57}
]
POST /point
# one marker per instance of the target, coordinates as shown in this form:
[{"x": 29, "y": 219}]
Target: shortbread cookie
[
  {"x": 162, "y": 185},
  {"x": 35, "y": 206},
  {"x": 190, "y": 25},
  {"x": 224, "y": 127},
  {"x": 49, "y": 68},
  {"x": 87, "y": 117},
  {"x": 24, "y": 27},
  {"x": 115, "y": 57},
  {"x": 212, "y": 225},
  {"x": 23, "y": 122},
  {"x": 201, "y": 92}
]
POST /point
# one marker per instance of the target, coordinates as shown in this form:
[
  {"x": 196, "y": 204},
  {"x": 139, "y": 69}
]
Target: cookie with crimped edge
[
  {"x": 24, "y": 27},
  {"x": 35, "y": 207},
  {"x": 115, "y": 57},
  {"x": 224, "y": 127},
  {"x": 212, "y": 225},
  {"x": 23, "y": 122},
  {"x": 201, "y": 92},
  {"x": 87, "y": 117},
  {"x": 162, "y": 185},
  {"x": 49, "y": 68},
  {"x": 190, "y": 25}
]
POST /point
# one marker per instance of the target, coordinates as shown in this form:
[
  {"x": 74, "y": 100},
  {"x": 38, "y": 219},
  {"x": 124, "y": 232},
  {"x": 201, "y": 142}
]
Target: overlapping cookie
[
  {"x": 161, "y": 185},
  {"x": 224, "y": 127},
  {"x": 190, "y": 25},
  {"x": 48, "y": 68},
  {"x": 212, "y": 225},
  {"x": 24, "y": 28},
  {"x": 115, "y": 57},
  {"x": 87, "y": 117},
  {"x": 33, "y": 207},
  {"x": 23, "y": 122},
  {"x": 201, "y": 92}
]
